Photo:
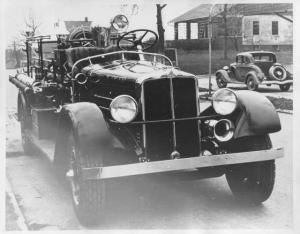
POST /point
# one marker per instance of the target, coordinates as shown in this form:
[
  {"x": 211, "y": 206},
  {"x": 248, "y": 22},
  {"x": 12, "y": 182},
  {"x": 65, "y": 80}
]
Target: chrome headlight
[
  {"x": 224, "y": 101},
  {"x": 226, "y": 68},
  {"x": 123, "y": 109}
]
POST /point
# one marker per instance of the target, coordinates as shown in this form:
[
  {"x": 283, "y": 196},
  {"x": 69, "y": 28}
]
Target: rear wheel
[
  {"x": 252, "y": 182},
  {"x": 284, "y": 87},
  {"x": 251, "y": 84},
  {"x": 28, "y": 146},
  {"x": 221, "y": 81}
]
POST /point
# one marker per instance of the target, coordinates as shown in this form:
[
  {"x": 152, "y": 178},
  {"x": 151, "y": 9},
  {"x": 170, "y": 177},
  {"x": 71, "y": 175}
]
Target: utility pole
[
  {"x": 209, "y": 49},
  {"x": 225, "y": 31}
]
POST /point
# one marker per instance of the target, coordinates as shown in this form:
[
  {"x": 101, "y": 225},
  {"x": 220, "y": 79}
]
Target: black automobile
[
  {"x": 253, "y": 69},
  {"x": 88, "y": 103}
]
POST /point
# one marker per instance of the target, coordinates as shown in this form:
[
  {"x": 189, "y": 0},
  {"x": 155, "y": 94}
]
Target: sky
[{"x": 47, "y": 12}]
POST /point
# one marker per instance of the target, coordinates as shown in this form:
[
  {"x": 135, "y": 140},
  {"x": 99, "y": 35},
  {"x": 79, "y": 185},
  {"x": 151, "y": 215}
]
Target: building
[{"x": 248, "y": 25}]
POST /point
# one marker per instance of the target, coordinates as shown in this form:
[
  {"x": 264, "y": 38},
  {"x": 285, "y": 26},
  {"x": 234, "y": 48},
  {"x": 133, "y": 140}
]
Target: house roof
[
  {"x": 202, "y": 11},
  {"x": 71, "y": 25}
]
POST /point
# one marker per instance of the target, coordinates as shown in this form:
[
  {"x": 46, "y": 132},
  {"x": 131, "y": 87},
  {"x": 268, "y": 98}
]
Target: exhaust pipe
[{"x": 222, "y": 130}]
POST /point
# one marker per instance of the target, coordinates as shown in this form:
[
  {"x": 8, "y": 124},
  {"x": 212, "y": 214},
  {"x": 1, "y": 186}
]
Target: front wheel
[
  {"x": 88, "y": 196},
  {"x": 252, "y": 182},
  {"x": 285, "y": 87}
]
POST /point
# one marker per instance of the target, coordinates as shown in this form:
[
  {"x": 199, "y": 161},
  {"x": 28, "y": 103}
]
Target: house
[{"x": 248, "y": 25}]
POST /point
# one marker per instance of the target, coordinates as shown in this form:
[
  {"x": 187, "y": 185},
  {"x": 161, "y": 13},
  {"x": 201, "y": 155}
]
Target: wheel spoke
[{"x": 141, "y": 38}]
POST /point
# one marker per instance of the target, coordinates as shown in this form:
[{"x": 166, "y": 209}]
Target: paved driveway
[{"x": 273, "y": 90}]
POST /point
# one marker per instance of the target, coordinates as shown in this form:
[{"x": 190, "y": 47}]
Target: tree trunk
[
  {"x": 160, "y": 28},
  {"x": 225, "y": 31}
]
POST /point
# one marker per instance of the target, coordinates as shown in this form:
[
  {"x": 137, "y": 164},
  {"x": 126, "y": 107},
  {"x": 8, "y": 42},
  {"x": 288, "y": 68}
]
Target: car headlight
[
  {"x": 224, "y": 101},
  {"x": 123, "y": 109}
]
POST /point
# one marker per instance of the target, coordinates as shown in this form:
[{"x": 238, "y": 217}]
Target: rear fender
[
  {"x": 254, "y": 75},
  {"x": 22, "y": 100},
  {"x": 90, "y": 130}
]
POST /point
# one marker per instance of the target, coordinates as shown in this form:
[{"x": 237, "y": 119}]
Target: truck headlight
[
  {"x": 224, "y": 101},
  {"x": 123, "y": 109}
]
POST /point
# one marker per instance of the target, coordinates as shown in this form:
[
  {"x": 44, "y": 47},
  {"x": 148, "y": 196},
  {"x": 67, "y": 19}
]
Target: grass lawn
[{"x": 196, "y": 61}]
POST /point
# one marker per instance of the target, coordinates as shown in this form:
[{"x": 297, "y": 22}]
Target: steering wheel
[{"x": 132, "y": 39}]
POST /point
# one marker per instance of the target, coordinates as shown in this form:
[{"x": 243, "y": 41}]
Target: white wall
[{"x": 265, "y": 37}]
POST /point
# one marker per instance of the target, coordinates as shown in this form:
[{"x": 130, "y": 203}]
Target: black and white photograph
[{"x": 156, "y": 116}]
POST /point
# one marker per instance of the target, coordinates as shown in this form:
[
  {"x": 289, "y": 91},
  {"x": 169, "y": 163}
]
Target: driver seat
[{"x": 77, "y": 53}]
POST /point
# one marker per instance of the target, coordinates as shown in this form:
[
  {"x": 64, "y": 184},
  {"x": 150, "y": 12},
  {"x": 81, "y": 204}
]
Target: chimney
[{"x": 86, "y": 19}]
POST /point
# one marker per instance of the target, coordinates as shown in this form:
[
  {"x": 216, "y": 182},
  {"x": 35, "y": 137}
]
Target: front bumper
[
  {"x": 268, "y": 82},
  {"x": 179, "y": 164}
]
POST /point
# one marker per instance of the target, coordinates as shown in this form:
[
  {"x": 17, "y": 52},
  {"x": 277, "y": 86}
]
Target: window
[
  {"x": 255, "y": 27},
  {"x": 182, "y": 31},
  {"x": 274, "y": 27},
  {"x": 194, "y": 30},
  {"x": 239, "y": 59},
  {"x": 246, "y": 60}
]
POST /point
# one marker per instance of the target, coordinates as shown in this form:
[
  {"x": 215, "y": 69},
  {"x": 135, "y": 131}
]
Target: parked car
[
  {"x": 253, "y": 69},
  {"x": 88, "y": 103}
]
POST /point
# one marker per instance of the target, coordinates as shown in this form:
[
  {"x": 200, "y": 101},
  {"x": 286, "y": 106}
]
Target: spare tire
[
  {"x": 80, "y": 33},
  {"x": 278, "y": 72}
]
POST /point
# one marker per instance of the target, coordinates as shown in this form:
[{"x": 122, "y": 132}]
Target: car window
[
  {"x": 246, "y": 60},
  {"x": 263, "y": 58},
  {"x": 239, "y": 59}
]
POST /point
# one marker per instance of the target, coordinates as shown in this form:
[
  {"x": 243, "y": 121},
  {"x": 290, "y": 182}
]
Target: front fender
[
  {"x": 258, "y": 115},
  {"x": 90, "y": 130},
  {"x": 224, "y": 75}
]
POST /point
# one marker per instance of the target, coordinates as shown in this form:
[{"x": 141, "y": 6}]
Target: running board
[{"x": 179, "y": 164}]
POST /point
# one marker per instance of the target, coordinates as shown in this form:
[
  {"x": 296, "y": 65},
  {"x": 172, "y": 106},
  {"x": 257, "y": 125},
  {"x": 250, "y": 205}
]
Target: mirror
[{"x": 120, "y": 23}]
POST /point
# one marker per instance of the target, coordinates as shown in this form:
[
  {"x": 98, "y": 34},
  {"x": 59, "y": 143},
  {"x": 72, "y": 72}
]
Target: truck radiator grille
[{"x": 159, "y": 137}]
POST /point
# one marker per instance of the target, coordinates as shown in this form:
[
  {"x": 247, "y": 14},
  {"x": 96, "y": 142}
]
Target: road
[
  {"x": 146, "y": 203},
  {"x": 272, "y": 90}
]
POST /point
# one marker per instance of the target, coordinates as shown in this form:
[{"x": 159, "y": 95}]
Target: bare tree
[
  {"x": 31, "y": 25},
  {"x": 29, "y": 29},
  {"x": 160, "y": 28}
]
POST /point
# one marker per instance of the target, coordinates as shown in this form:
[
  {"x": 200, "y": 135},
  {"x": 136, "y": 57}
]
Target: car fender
[
  {"x": 224, "y": 74},
  {"x": 254, "y": 75},
  {"x": 258, "y": 115},
  {"x": 22, "y": 99},
  {"x": 90, "y": 130}
]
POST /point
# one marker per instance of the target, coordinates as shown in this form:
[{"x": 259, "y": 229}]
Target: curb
[{"x": 21, "y": 222}]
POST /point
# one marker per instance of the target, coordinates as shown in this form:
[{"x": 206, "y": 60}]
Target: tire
[
  {"x": 28, "y": 146},
  {"x": 221, "y": 83},
  {"x": 251, "y": 85},
  {"x": 285, "y": 87},
  {"x": 88, "y": 196},
  {"x": 278, "y": 72},
  {"x": 252, "y": 182}
]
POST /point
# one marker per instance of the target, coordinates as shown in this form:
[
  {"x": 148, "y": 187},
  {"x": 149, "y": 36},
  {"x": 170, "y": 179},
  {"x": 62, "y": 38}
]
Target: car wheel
[
  {"x": 284, "y": 87},
  {"x": 220, "y": 80},
  {"x": 88, "y": 196},
  {"x": 251, "y": 85},
  {"x": 27, "y": 144},
  {"x": 278, "y": 72},
  {"x": 252, "y": 182}
]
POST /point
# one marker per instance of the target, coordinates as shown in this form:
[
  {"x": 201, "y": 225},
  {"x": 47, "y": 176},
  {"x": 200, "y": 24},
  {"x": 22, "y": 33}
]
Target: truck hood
[{"x": 132, "y": 72}]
